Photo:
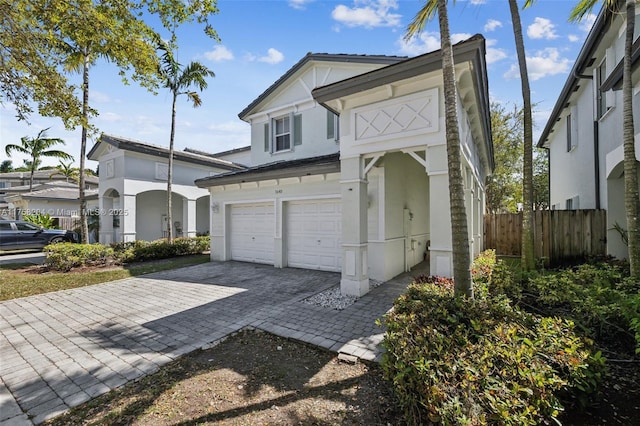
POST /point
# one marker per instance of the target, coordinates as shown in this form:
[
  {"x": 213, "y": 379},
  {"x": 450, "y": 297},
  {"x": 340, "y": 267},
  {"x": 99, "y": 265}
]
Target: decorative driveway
[{"x": 61, "y": 349}]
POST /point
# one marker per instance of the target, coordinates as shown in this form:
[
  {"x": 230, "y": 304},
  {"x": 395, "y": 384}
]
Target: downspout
[{"x": 596, "y": 161}]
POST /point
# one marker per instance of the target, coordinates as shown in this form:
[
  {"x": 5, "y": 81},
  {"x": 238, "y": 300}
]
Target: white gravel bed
[{"x": 332, "y": 298}]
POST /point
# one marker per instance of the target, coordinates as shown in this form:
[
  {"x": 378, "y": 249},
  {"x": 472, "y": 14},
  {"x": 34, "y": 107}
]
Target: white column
[
  {"x": 128, "y": 217},
  {"x": 355, "y": 277},
  {"x": 189, "y": 217},
  {"x": 105, "y": 205},
  {"x": 441, "y": 261}
]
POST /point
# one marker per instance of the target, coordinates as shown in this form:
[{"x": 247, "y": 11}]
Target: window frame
[{"x": 285, "y": 133}]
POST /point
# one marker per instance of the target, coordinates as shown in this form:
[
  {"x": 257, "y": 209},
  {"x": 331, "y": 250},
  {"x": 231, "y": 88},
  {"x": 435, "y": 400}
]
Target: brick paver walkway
[{"x": 61, "y": 349}]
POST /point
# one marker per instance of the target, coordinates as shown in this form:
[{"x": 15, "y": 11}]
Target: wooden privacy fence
[{"x": 558, "y": 234}]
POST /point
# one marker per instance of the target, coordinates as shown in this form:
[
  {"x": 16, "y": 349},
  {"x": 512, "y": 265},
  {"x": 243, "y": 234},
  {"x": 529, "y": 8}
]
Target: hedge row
[{"x": 65, "y": 256}]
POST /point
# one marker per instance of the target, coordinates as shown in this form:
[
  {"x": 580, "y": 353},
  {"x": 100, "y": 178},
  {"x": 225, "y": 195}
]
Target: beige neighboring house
[
  {"x": 132, "y": 193},
  {"x": 349, "y": 167}
]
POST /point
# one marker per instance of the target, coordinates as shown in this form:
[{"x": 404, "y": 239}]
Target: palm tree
[
  {"x": 178, "y": 80},
  {"x": 37, "y": 148},
  {"x": 528, "y": 258},
  {"x": 459, "y": 233},
  {"x": 66, "y": 170},
  {"x": 631, "y": 196}
]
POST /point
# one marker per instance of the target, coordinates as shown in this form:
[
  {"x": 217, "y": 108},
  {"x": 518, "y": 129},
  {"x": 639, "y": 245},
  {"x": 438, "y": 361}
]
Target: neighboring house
[
  {"x": 57, "y": 199},
  {"x": 133, "y": 189},
  {"x": 584, "y": 132},
  {"x": 18, "y": 182},
  {"x": 349, "y": 167}
]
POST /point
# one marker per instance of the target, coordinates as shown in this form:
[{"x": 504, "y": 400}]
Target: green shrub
[
  {"x": 480, "y": 361},
  {"x": 138, "y": 251},
  {"x": 599, "y": 297},
  {"x": 65, "y": 256},
  {"x": 40, "y": 219}
]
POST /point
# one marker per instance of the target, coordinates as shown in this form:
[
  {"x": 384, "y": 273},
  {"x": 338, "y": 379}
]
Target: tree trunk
[
  {"x": 170, "y": 170},
  {"x": 528, "y": 259},
  {"x": 33, "y": 169},
  {"x": 84, "y": 227},
  {"x": 459, "y": 233},
  {"x": 631, "y": 197}
]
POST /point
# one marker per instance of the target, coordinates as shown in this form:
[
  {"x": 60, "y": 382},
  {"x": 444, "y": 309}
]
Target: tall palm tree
[
  {"x": 631, "y": 196},
  {"x": 459, "y": 233},
  {"x": 37, "y": 148},
  {"x": 528, "y": 257},
  {"x": 178, "y": 80}
]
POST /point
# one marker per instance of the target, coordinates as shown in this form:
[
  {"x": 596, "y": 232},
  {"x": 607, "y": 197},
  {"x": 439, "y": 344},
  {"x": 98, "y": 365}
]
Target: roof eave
[{"x": 257, "y": 175}]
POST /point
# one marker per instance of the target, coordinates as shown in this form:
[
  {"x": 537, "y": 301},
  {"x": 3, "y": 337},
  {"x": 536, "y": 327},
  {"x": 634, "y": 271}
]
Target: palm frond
[
  {"x": 423, "y": 16},
  {"x": 194, "y": 98}
]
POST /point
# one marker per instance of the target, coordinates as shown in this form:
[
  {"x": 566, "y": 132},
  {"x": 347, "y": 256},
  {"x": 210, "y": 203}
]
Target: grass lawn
[{"x": 20, "y": 280}]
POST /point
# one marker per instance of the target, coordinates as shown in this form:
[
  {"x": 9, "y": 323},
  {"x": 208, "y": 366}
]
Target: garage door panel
[
  {"x": 252, "y": 227},
  {"x": 314, "y": 234}
]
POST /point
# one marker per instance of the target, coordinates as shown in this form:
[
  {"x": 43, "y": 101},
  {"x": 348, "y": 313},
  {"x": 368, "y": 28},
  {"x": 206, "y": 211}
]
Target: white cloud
[
  {"x": 427, "y": 41},
  {"x": 493, "y": 53},
  {"x": 299, "y": 4},
  {"x": 587, "y": 22},
  {"x": 219, "y": 54},
  {"x": 273, "y": 56},
  {"x": 424, "y": 42},
  {"x": 368, "y": 14},
  {"x": 546, "y": 62},
  {"x": 542, "y": 28},
  {"x": 573, "y": 38},
  {"x": 477, "y": 2},
  {"x": 491, "y": 25},
  {"x": 110, "y": 117},
  {"x": 99, "y": 97}
]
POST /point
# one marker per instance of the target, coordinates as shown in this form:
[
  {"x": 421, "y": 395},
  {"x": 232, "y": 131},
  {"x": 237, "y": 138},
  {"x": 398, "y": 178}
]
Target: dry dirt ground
[{"x": 252, "y": 378}]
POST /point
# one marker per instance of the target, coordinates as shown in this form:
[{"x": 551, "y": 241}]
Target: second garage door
[
  {"x": 314, "y": 233},
  {"x": 252, "y": 230}
]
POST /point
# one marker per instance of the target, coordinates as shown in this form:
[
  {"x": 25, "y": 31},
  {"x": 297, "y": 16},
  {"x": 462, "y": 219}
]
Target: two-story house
[
  {"x": 584, "y": 132},
  {"x": 133, "y": 188},
  {"x": 349, "y": 167}
]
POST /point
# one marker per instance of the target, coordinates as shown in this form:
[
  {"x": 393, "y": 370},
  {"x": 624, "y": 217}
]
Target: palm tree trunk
[
  {"x": 459, "y": 233},
  {"x": 33, "y": 169},
  {"x": 631, "y": 197},
  {"x": 528, "y": 257},
  {"x": 84, "y": 228},
  {"x": 170, "y": 170}
]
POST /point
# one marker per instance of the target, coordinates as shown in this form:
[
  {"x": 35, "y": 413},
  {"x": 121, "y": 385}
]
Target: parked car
[{"x": 19, "y": 234}]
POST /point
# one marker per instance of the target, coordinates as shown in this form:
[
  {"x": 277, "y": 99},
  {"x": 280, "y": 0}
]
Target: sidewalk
[{"x": 62, "y": 349}]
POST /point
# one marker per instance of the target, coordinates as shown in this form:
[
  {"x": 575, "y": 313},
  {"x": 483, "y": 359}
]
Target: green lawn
[{"x": 16, "y": 282}]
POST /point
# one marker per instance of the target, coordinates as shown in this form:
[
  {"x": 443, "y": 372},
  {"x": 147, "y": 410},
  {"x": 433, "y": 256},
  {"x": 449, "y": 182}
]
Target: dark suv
[{"x": 18, "y": 235}]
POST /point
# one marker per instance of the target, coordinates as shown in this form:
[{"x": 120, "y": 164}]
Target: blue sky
[{"x": 262, "y": 39}]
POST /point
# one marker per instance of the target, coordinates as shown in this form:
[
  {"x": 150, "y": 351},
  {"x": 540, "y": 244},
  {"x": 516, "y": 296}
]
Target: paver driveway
[{"x": 61, "y": 349}]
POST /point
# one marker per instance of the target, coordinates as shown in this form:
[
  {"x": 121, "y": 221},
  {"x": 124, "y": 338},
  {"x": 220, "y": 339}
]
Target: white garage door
[
  {"x": 252, "y": 230},
  {"x": 314, "y": 234}
]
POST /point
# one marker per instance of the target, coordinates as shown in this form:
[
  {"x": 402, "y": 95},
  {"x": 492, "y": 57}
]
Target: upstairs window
[
  {"x": 601, "y": 101},
  {"x": 280, "y": 132},
  {"x": 333, "y": 129}
]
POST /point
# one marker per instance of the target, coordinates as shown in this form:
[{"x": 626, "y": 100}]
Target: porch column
[
  {"x": 128, "y": 217},
  {"x": 355, "y": 276},
  {"x": 189, "y": 218},
  {"x": 105, "y": 204},
  {"x": 441, "y": 249}
]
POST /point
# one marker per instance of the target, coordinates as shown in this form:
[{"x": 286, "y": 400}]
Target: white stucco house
[
  {"x": 349, "y": 168},
  {"x": 133, "y": 188},
  {"x": 584, "y": 132}
]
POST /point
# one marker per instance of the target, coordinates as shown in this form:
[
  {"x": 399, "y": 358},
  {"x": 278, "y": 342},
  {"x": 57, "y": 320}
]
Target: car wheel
[{"x": 56, "y": 240}]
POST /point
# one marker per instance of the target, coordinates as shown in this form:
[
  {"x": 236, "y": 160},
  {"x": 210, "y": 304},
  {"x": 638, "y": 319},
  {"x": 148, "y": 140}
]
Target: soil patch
[{"x": 249, "y": 379}]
